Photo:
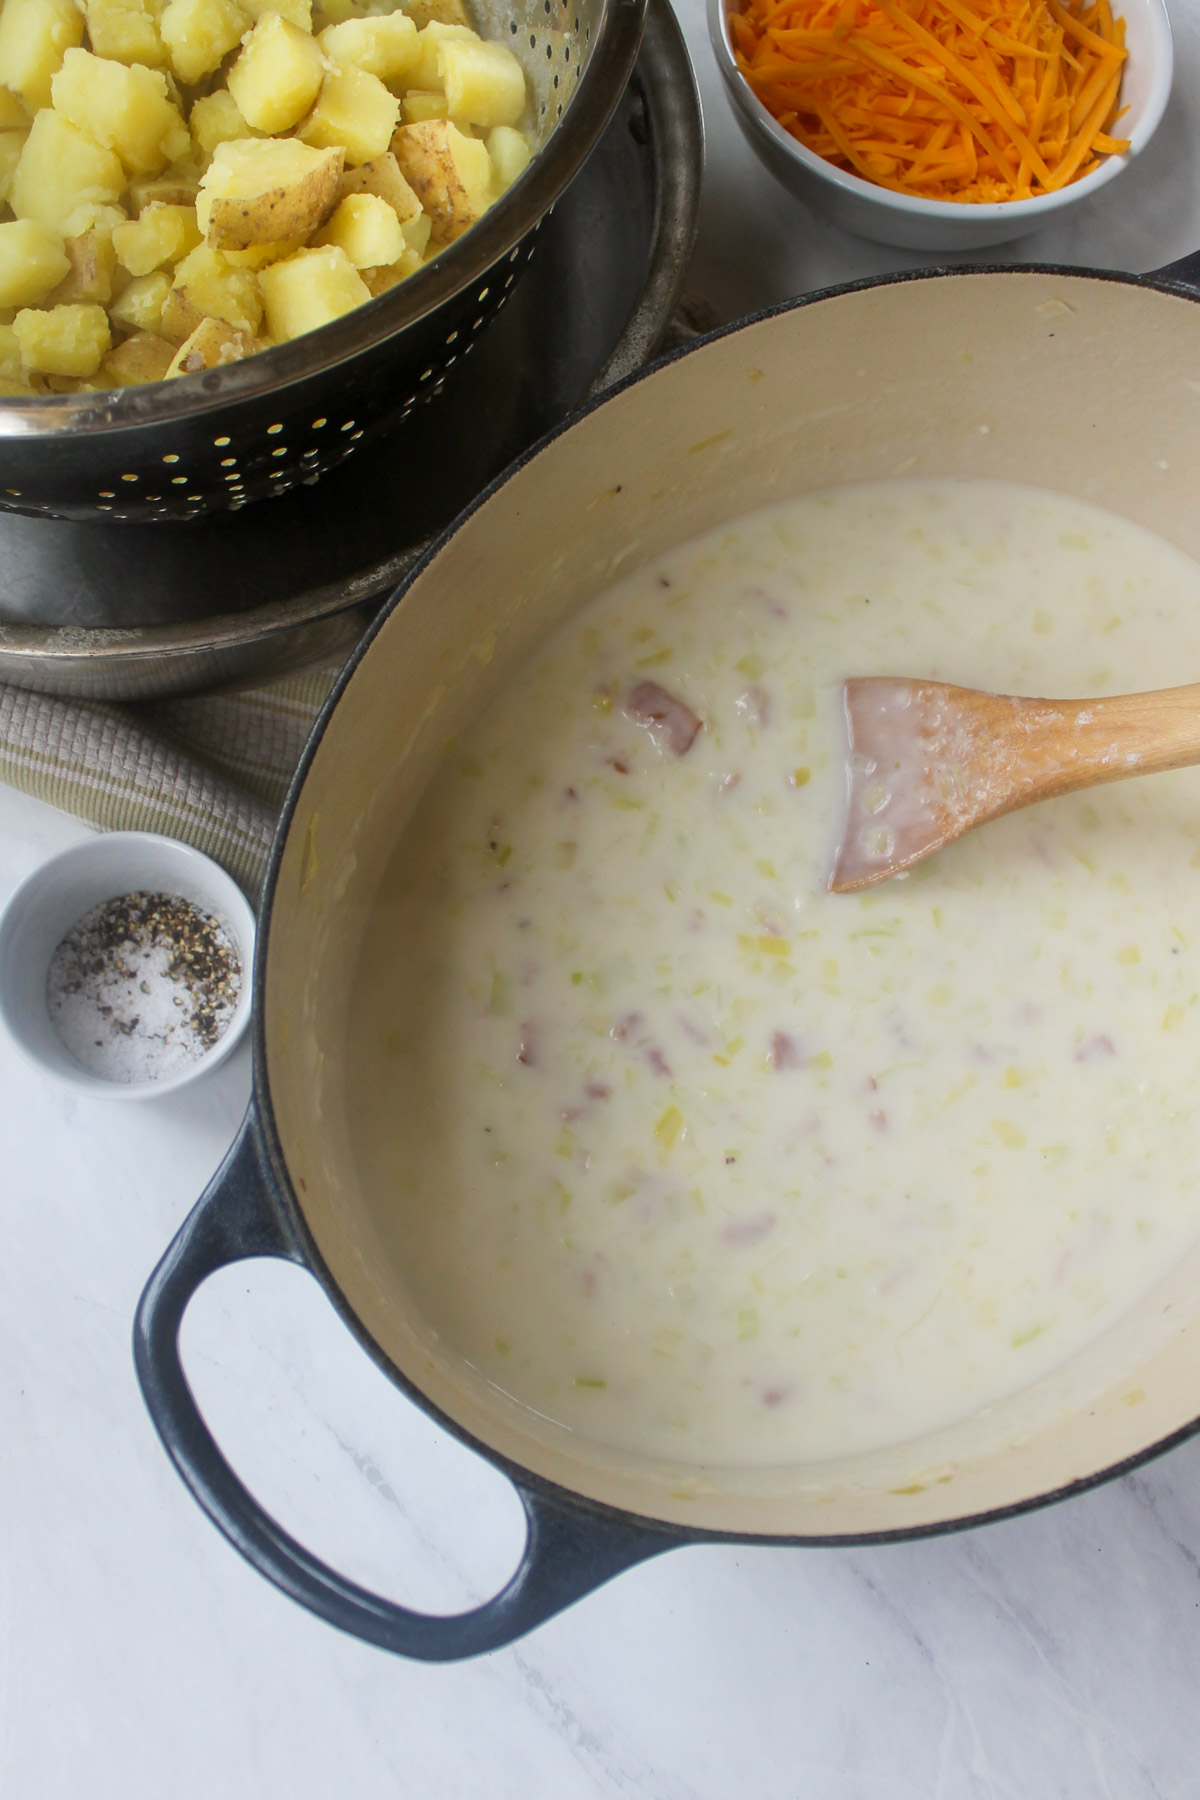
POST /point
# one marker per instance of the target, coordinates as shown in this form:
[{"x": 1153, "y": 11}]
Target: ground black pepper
[{"x": 142, "y": 985}]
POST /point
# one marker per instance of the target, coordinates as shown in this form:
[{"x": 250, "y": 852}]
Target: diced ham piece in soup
[{"x": 670, "y": 721}]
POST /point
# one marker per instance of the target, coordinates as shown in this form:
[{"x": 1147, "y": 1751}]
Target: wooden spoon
[{"x": 929, "y": 762}]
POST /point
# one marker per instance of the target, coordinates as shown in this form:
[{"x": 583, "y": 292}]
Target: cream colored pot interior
[{"x": 1081, "y": 385}]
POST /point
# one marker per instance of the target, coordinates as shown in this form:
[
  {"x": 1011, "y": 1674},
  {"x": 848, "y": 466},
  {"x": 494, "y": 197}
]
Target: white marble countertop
[{"x": 1054, "y": 1657}]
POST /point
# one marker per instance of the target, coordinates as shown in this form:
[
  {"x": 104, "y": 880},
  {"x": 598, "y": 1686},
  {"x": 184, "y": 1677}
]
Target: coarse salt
[{"x": 142, "y": 986}]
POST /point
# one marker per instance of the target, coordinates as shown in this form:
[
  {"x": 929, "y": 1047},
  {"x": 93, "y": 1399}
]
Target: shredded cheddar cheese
[{"x": 942, "y": 99}]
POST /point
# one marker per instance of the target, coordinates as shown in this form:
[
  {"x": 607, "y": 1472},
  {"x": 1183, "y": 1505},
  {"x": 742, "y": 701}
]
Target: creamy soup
[{"x": 690, "y": 1155}]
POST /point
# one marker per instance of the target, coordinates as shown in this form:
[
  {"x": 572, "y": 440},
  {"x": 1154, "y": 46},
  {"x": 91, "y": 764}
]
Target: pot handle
[
  {"x": 569, "y": 1549},
  {"x": 1184, "y": 273}
]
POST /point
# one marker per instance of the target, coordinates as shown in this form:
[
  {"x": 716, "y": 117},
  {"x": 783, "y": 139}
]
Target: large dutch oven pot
[{"x": 1085, "y": 383}]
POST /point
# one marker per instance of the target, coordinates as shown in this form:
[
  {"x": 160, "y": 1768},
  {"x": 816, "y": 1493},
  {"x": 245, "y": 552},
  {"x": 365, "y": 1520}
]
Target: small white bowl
[
  {"x": 889, "y": 218},
  {"x": 55, "y": 897}
]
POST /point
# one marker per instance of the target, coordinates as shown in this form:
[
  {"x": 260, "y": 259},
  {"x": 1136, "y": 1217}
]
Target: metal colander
[{"x": 221, "y": 439}]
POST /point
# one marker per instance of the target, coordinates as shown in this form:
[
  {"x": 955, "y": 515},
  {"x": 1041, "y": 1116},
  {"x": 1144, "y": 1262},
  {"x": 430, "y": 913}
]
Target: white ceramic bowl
[
  {"x": 890, "y": 218},
  {"x": 56, "y": 896}
]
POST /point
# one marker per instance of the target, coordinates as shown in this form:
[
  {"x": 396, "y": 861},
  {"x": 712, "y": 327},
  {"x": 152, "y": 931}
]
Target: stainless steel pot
[{"x": 1085, "y": 383}]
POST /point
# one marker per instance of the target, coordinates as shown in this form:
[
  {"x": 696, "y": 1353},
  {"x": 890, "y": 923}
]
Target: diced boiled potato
[
  {"x": 217, "y": 118},
  {"x": 171, "y": 188},
  {"x": 60, "y": 167},
  {"x": 67, "y": 340},
  {"x": 296, "y": 12},
  {"x": 257, "y": 256},
  {"x": 510, "y": 154},
  {"x": 278, "y": 74},
  {"x": 450, "y": 174},
  {"x": 13, "y": 116},
  {"x": 309, "y": 290},
  {"x": 181, "y": 233},
  {"x": 382, "y": 176},
  {"x": 426, "y": 71},
  {"x": 126, "y": 110},
  {"x": 160, "y": 234},
  {"x": 262, "y": 190},
  {"x": 10, "y": 354},
  {"x": 139, "y": 307},
  {"x": 367, "y": 229},
  {"x": 89, "y": 278},
  {"x": 126, "y": 31},
  {"x": 380, "y": 280},
  {"x": 417, "y": 232},
  {"x": 88, "y": 216},
  {"x": 141, "y": 357},
  {"x": 354, "y": 110},
  {"x": 11, "y": 145},
  {"x": 32, "y": 262},
  {"x": 386, "y": 47},
  {"x": 34, "y": 35},
  {"x": 484, "y": 83},
  {"x": 199, "y": 34},
  {"x": 444, "y": 12},
  {"x": 418, "y": 106},
  {"x": 205, "y": 281},
  {"x": 212, "y": 345}
]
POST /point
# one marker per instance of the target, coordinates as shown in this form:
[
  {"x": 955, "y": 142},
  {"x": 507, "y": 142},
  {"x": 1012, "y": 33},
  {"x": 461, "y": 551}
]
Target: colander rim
[{"x": 471, "y": 258}]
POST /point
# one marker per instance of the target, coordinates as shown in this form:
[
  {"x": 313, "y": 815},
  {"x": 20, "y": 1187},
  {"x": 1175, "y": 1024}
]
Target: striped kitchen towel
[{"x": 210, "y": 769}]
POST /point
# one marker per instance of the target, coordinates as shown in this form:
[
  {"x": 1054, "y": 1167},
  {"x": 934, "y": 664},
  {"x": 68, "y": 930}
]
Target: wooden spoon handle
[{"x": 1057, "y": 746}]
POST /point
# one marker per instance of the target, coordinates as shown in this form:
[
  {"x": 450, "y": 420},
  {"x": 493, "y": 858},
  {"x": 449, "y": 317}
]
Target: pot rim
[{"x": 283, "y": 1195}]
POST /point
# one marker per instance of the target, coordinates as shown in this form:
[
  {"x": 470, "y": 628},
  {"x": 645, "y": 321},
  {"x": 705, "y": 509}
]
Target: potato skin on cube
[
  {"x": 309, "y": 290},
  {"x": 277, "y": 76},
  {"x": 126, "y": 110},
  {"x": 355, "y": 111},
  {"x": 89, "y": 278},
  {"x": 212, "y": 345},
  {"x": 199, "y": 34},
  {"x": 60, "y": 167},
  {"x": 34, "y": 36},
  {"x": 450, "y": 174},
  {"x": 32, "y": 262},
  {"x": 382, "y": 176},
  {"x": 264, "y": 190},
  {"x": 168, "y": 189},
  {"x": 484, "y": 83},
  {"x": 67, "y": 340}
]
